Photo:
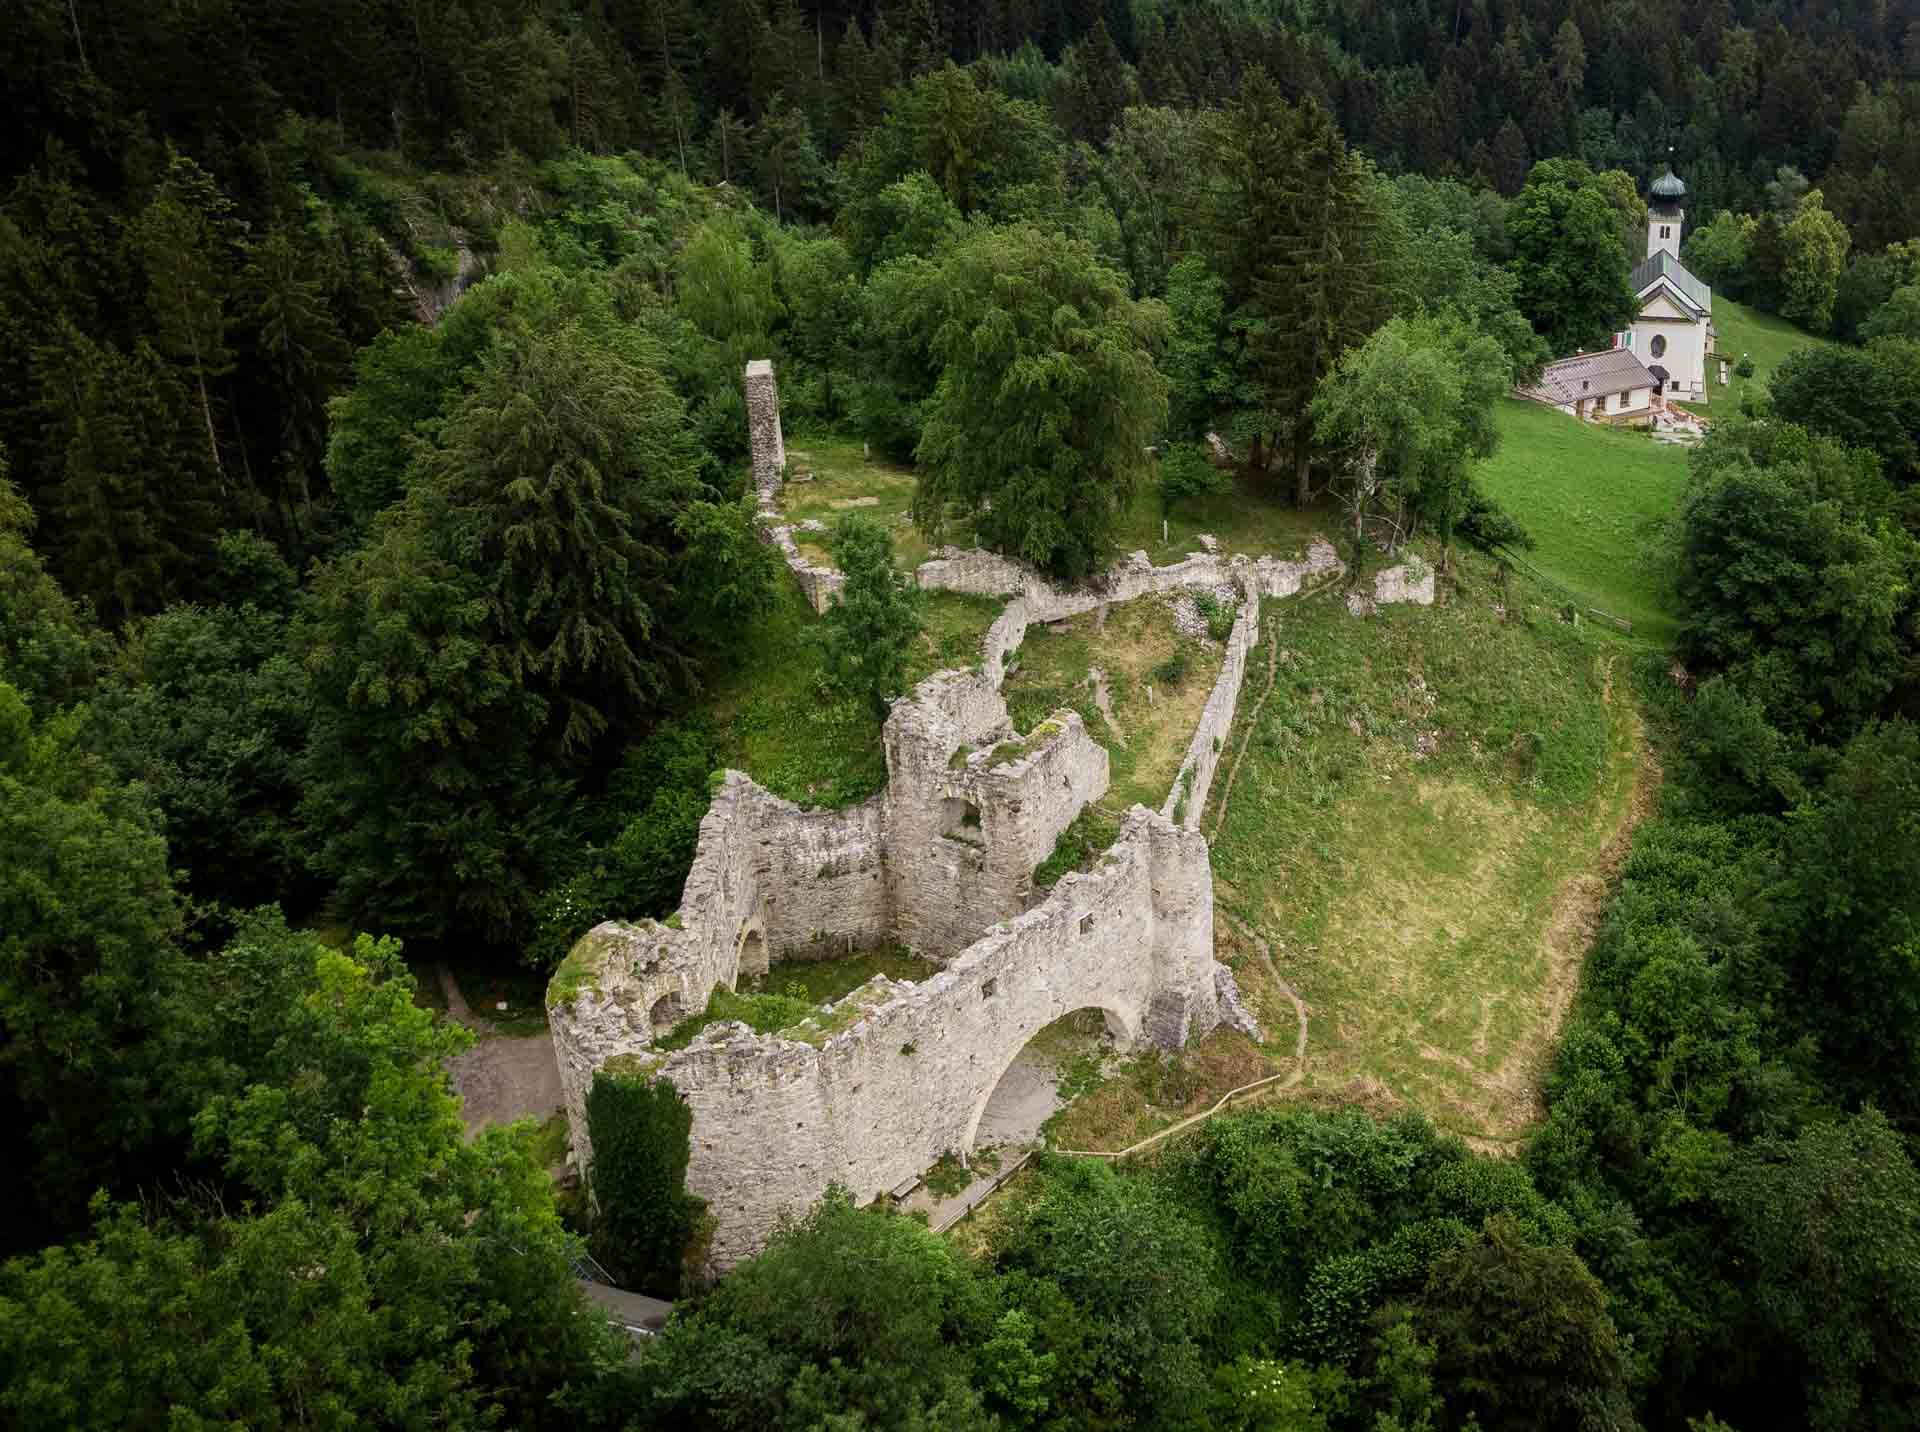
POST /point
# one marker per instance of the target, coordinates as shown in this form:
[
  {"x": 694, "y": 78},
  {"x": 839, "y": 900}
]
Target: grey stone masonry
[
  {"x": 763, "y": 431},
  {"x": 871, "y": 1091}
]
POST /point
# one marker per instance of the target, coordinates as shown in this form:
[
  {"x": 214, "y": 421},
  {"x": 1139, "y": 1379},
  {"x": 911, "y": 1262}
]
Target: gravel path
[{"x": 503, "y": 1077}]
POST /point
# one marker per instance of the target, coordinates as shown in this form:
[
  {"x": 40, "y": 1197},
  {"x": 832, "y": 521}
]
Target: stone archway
[
  {"x": 1019, "y": 1101},
  {"x": 667, "y": 1011},
  {"x": 753, "y": 960}
]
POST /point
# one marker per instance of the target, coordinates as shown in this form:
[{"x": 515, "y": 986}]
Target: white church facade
[{"x": 1674, "y": 333}]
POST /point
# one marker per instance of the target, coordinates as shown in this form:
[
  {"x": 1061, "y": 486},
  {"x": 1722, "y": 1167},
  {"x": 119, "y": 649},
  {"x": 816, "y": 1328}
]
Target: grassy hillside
[
  {"x": 1762, "y": 336},
  {"x": 1593, "y": 498},
  {"x": 1410, "y": 816},
  {"x": 1411, "y": 832}
]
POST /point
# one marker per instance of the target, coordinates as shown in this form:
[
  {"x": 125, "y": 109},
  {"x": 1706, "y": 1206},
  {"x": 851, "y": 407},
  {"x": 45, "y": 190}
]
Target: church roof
[
  {"x": 1668, "y": 187},
  {"x": 1590, "y": 375},
  {"x": 1661, "y": 264}
]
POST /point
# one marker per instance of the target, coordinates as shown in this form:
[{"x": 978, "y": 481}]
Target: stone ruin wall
[
  {"x": 768, "y": 443},
  {"x": 820, "y": 585},
  {"x": 773, "y": 881},
  {"x": 873, "y": 1105},
  {"x": 1188, "y": 799},
  {"x": 965, "y": 833},
  {"x": 769, "y": 880},
  {"x": 1267, "y": 577},
  {"x": 948, "y": 848}
]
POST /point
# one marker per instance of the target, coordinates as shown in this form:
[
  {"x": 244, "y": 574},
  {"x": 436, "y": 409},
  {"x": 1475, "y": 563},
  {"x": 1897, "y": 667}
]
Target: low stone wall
[
  {"x": 870, "y": 1094},
  {"x": 1266, "y": 577},
  {"x": 820, "y": 585},
  {"x": 1187, "y": 801},
  {"x": 1410, "y": 581}
]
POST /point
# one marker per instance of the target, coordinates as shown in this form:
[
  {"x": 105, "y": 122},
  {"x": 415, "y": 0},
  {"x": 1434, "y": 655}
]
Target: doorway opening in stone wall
[
  {"x": 1066, "y": 1059},
  {"x": 667, "y": 1011},
  {"x": 753, "y": 955}
]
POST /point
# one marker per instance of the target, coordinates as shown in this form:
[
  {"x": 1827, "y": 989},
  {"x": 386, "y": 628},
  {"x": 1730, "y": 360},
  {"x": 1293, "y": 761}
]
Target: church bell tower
[{"x": 1665, "y": 214}]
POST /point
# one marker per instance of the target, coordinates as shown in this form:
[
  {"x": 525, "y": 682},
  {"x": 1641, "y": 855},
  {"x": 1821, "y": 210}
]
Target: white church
[{"x": 1674, "y": 334}]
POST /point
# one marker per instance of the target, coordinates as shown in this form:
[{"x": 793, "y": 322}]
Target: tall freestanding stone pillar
[{"x": 763, "y": 431}]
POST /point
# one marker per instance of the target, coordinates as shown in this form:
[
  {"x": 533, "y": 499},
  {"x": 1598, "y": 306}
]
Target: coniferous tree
[{"x": 184, "y": 239}]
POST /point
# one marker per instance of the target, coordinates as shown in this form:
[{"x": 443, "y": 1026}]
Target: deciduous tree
[{"x": 1047, "y": 399}]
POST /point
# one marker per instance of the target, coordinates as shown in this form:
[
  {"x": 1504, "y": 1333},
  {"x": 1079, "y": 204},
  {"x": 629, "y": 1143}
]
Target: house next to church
[
  {"x": 1674, "y": 333},
  {"x": 1611, "y": 386}
]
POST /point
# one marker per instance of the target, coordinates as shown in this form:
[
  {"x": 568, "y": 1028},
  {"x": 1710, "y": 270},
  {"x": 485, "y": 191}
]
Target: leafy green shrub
[
  {"x": 1220, "y": 615},
  {"x": 440, "y": 262},
  {"x": 1088, "y": 835},
  {"x": 1185, "y": 474},
  {"x": 873, "y": 624},
  {"x": 640, "y": 1131},
  {"x": 1483, "y": 522},
  {"x": 1173, "y": 670},
  {"x": 1744, "y": 368}
]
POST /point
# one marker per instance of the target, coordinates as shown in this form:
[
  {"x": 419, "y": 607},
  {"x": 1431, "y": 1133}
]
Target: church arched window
[{"x": 1659, "y": 346}]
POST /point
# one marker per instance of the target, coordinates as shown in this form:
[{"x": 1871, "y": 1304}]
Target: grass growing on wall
[
  {"x": 776, "y": 724},
  {"x": 1136, "y": 648},
  {"x": 794, "y": 990},
  {"x": 1595, "y": 499}
]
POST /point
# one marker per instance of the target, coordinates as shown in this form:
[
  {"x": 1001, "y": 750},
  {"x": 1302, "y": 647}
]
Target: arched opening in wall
[
  {"x": 1061, "y": 1062},
  {"x": 667, "y": 1011},
  {"x": 753, "y": 954},
  {"x": 960, "y": 820}
]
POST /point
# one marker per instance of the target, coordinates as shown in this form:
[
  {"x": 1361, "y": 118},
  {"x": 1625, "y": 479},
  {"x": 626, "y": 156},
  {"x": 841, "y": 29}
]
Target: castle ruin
[{"x": 870, "y": 1091}]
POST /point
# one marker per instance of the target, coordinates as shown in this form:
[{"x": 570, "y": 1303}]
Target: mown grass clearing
[
  {"x": 1415, "y": 829},
  {"x": 1596, "y": 500},
  {"x": 779, "y": 726},
  {"x": 1248, "y": 518},
  {"x": 829, "y": 476},
  {"x": 1747, "y": 332},
  {"x": 1134, "y": 648}
]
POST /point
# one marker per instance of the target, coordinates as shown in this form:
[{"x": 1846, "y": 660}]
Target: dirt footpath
[{"x": 503, "y": 1077}]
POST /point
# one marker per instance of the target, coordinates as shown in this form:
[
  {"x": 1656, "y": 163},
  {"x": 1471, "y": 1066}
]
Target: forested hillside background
[{"x": 373, "y": 527}]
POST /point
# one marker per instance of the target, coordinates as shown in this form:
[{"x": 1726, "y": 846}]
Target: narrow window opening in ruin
[
  {"x": 989, "y": 989},
  {"x": 960, "y": 820},
  {"x": 664, "y": 1014},
  {"x": 1086, "y": 924}
]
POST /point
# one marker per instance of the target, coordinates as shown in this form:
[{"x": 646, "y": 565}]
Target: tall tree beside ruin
[
  {"x": 1048, "y": 397},
  {"x": 1307, "y": 238},
  {"x": 872, "y": 626},
  {"x": 1570, "y": 256}
]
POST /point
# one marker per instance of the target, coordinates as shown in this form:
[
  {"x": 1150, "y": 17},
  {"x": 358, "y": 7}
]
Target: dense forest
[{"x": 373, "y": 519}]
